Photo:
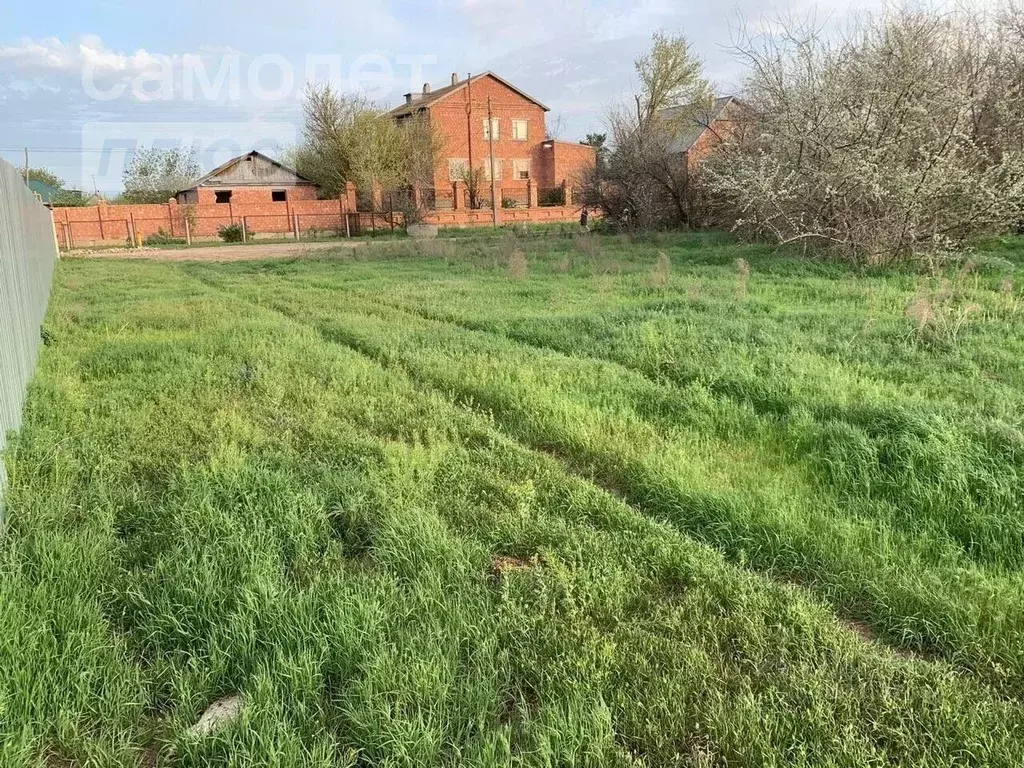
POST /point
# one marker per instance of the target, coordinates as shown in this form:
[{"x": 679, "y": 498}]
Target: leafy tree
[
  {"x": 62, "y": 198},
  {"x": 643, "y": 177},
  {"x": 46, "y": 176},
  {"x": 70, "y": 198},
  {"x": 670, "y": 76},
  {"x": 154, "y": 175},
  {"x": 347, "y": 138}
]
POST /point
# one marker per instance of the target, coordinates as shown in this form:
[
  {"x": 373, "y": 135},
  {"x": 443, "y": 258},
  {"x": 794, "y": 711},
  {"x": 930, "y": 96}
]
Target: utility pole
[
  {"x": 26, "y": 165},
  {"x": 469, "y": 139},
  {"x": 490, "y": 143}
]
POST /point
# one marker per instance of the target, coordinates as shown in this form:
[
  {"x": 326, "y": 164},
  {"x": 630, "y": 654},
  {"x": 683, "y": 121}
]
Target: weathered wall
[
  {"x": 27, "y": 258},
  {"x": 253, "y": 169},
  {"x": 256, "y": 195}
]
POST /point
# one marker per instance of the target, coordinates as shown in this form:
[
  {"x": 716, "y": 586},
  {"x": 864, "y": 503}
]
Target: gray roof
[
  {"x": 689, "y": 134},
  {"x": 430, "y": 99}
]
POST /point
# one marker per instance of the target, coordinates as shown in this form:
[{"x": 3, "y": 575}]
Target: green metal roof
[{"x": 45, "y": 191}]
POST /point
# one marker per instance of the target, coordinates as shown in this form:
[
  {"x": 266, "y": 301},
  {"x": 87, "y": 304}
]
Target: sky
[{"x": 81, "y": 83}]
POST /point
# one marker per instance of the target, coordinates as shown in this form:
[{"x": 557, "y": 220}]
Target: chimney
[
  {"x": 426, "y": 88},
  {"x": 408, "y": 98},
  {"x": 455, "y": 78}
]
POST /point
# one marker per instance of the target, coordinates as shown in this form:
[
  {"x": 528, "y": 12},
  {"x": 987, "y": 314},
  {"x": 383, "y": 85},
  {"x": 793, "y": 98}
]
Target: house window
[
  {"x": 519, "y": 130},
  {"x": 457, "y": 168},
  {"x": 492, "y": 129},
  {"x": 223, "y": 195},
  {"x": 521, "y": 170},
  {"x": 279, "y": 195},
  {"x": 497, "y": 170}
]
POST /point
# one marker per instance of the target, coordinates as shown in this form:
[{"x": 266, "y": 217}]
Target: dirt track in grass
[
  {"x": 255, "y": 252},
  {"x": 649, "y": 501}
]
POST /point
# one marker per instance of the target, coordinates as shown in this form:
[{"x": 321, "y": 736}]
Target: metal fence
[{"x": 28, "y": 253}]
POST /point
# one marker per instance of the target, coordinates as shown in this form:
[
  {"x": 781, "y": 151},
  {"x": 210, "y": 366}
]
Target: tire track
[{"x": 698, "y": 518}]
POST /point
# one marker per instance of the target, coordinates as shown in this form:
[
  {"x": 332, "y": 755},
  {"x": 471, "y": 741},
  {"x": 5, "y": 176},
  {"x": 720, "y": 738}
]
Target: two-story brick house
[
  {"x": 726, "y": 118},
  {"x": 523, "y": 156}
]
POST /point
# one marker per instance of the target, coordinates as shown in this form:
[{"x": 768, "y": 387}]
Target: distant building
[
  {"x": 43, "y": 191},
  {"x": 52, "y": 197},
  {"x": 251, "y": 178},
  {"x": 726, "y": 118},
  {"x": 522, "y": 151}
]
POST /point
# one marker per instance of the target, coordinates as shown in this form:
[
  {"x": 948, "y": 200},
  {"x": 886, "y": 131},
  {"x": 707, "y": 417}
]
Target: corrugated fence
[{"x": 28, "y": 253}]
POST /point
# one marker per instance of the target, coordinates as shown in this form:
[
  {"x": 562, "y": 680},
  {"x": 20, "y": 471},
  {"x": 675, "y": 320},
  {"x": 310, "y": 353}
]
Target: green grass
[
  {"x": 321, "y": 236},
  {"x": 419, "y": 510}
]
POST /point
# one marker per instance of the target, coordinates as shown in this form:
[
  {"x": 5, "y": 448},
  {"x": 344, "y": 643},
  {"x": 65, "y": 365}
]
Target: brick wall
[
  {"x": 77, "y": 227},
  {"x": 81, "y": 227},
  {"x": 570, "y": 162},
  {"x": 256, "y": 195},
  {"x": 507, "y": 105},
  {"x": 731, "y": 123},
  {"x": 471, "y": 218}
]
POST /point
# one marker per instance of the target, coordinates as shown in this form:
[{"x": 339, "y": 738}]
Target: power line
[
  {"x": 79, "y": 150},
  {"x": 66, "y": 149}
]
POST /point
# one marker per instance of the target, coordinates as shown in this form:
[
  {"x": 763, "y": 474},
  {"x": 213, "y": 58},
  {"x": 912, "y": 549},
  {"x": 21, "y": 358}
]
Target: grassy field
[{"x": 668, "y": 501}]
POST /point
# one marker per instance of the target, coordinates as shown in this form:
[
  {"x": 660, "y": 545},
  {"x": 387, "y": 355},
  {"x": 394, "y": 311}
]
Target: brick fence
[{"x": 78, "y": 227}]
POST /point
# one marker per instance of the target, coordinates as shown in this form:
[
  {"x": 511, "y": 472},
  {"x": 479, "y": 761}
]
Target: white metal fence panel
[{"x": 28, "y": 253}]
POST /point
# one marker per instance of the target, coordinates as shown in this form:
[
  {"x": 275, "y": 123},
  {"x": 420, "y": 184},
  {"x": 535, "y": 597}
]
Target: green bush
[
  {"x": 69, "y": 198},
  {"x": 162, "y": 237},
  {"x": 553, "y": 196},
  {"x": 509, "y": 202},
  {"x": 232, "y": 233}
]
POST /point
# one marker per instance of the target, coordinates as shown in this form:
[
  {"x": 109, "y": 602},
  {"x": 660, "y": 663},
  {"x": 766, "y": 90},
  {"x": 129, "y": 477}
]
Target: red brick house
[
  {"x": 523, "y": 156},
  {"x": 726, "y": 118},
  {"x": 251, "y": 178}
]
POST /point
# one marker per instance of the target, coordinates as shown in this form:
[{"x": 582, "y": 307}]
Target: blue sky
[{"x": 574, "y": 55}]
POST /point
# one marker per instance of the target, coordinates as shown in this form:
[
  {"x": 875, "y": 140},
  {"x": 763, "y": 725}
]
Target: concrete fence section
[{"x": 28, "y": 254}]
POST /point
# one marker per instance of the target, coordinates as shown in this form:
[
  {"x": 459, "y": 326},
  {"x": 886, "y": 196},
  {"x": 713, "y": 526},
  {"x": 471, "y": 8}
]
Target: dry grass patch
[{"x": 662, "y": 272}]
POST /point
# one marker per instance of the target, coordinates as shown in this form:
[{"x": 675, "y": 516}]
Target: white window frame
[
  {"x": 457, "y": 167},
  {"x": 498, "y": 164},
  {"x": 525, "y": 124},
  {"x": 518, "y": 166},
  {"x": 495, "y": 127}
]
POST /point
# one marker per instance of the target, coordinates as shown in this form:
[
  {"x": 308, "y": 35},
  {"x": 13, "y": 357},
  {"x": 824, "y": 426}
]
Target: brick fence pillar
[
  {"x": 531, "y": 194},
  {"x": 458, "y": 203},
  {"x": 567, "y": 192},
  {"x": 378, "y": 196},
  {"x": 351, "y": 200}
]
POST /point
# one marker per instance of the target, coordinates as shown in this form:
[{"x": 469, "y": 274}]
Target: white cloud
[
  {"x": 579, "y": 85},
  {"x": 498, "y": 27},
  {"x": 574, "y": 55},
  {"x": 53, "y": 56},
  {"x": 641, "y": 19}
]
